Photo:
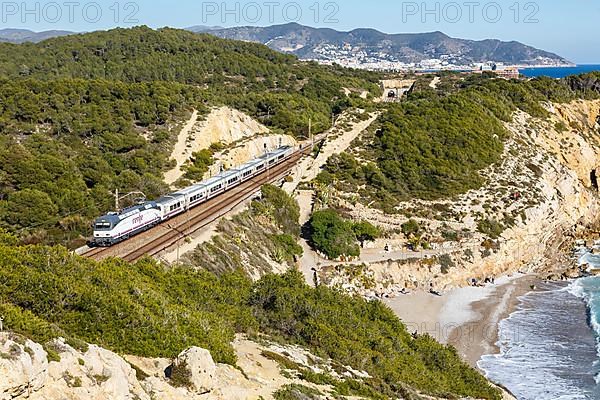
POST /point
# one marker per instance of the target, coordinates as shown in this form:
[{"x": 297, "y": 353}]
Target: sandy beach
[{"x": 466, "y": 318}]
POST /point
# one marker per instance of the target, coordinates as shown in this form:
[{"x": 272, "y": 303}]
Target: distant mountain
[
  {"x": 371, "y": 46},
  {"x": 25, "y": 35},
  {"x": 203, "y": 29}
]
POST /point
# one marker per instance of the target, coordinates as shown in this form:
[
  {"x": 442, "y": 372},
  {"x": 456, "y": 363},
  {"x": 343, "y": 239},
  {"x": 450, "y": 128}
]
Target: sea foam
[{"x": 547, "y": 349}]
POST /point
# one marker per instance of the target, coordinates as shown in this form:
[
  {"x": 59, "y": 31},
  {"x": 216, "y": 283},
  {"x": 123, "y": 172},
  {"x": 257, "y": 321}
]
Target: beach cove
[
  {"x": 466, "y": 318},
  {"x": 537, "y": 338}
]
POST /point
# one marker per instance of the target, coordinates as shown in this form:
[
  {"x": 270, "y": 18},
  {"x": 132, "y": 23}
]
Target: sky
[{"x": 566, "y": 27}]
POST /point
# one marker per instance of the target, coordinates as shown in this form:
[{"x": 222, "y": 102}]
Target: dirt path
[
  {"x": 308, "y": 170},
  {"x": 435, "y": 82},
  {"x": 181, "y": 153},
  {"x": 310, "y": 167}
]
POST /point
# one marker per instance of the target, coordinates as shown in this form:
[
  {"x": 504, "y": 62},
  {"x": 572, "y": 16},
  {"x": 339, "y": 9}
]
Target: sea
[
  {"x": 559, "y": 72},
  {"x": 550, "y": 346}
]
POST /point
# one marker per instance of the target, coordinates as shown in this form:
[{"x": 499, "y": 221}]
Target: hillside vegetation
[
  {"x": 258, "y": 240},
  {"x": 274, "y": 87},
  {"x": 67, "y": 144},
  {"x": 83, "y": 115},
  {"x": 148, "y": 310},
  {"x": 435, "y": 144}
]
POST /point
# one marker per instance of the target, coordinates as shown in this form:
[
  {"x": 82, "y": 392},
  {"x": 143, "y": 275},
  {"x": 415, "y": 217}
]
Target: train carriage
[
  {"x": 214, "y": 186},
  {"x": 249, "y": 170},
  {"x": 277, "y": 156},
  {"x": 194, "y": 195},
  {"x": 231, "y": 178},
  {"x": 171, "y": 205}
]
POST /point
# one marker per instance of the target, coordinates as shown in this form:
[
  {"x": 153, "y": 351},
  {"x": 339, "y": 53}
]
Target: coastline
[
  {"x": 466, "y": 318},
  {"x": 480, "y": 335}
]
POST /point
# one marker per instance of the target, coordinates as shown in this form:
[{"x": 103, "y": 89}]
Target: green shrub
[
  {"x": 297, "y": 392},
  {"x": 490, "y": 228},
  {"x": 198, "y": 165},
  {"x": 411, "y": 229},
  {"x": 365, "y": 231},
  {"x": 180, "y": 376},
  {"x": 288, "y": 245},
  {"x": 282, "y": 209},
  {"x": 52, "y": 354},
  {"x": 332, "y": 235},
  {"x": 446, "y": 263}
]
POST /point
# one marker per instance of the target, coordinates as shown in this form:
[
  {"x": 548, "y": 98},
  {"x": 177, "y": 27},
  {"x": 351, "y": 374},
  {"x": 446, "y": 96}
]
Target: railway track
[{"x": 169, "y": 233}]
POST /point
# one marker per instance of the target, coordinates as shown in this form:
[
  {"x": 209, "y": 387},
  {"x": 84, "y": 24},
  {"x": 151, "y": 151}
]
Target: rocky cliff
[
  {"x": 543, "y": 191},
  {"x": 29, "y": 370}
]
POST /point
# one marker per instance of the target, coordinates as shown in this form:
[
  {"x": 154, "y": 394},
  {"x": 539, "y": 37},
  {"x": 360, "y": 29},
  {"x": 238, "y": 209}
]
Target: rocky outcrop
[
  {"x": 23, "y": 367},
  {"x": 94, "y": 374},
  {"x": 243, "y": 138},
  {"x": 200, "y": 368},
  {"x": 98, "y": 374}
]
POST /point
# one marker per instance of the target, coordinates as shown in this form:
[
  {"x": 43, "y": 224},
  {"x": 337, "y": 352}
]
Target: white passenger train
[{"x": 117, "y": 227}]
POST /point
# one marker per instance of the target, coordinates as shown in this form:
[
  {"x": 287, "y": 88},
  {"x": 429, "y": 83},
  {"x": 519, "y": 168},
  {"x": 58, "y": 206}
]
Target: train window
[
  {"x": 216, "y": 188},
  {"x": 232, "y": 180},
  {"x": 280, "y": 157},
  {"x": 261, "y": 166},
  {"x": 103, "y": 225},
  {"x": 272, "y": 162},
  {"x": 247, "y": 173}
]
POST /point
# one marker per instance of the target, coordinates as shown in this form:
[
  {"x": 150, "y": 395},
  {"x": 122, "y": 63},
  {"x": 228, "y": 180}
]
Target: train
[{"x": 119, "y": 226}]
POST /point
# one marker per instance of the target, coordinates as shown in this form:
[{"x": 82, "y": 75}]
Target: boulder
[
  {"x": 201, "y": 368},
  {"x": 97, "y": 374},
  {"x": 23, "y": 367},
  {"x": 573, "y": 273},
  {"x": 114, "y": 375},
  {"x": 159, "y": 389}
]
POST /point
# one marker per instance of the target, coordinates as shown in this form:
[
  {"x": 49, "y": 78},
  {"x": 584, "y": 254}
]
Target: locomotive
[{"x": 116, "y": 227}]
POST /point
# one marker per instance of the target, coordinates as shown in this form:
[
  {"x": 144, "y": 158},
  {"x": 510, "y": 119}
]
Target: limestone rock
[
  {"x": 96, "y": 374},
  {"x": 22, "y": 367},
  {"x": 201, "y": 367},
  {"x": 159, "y": 389}
]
